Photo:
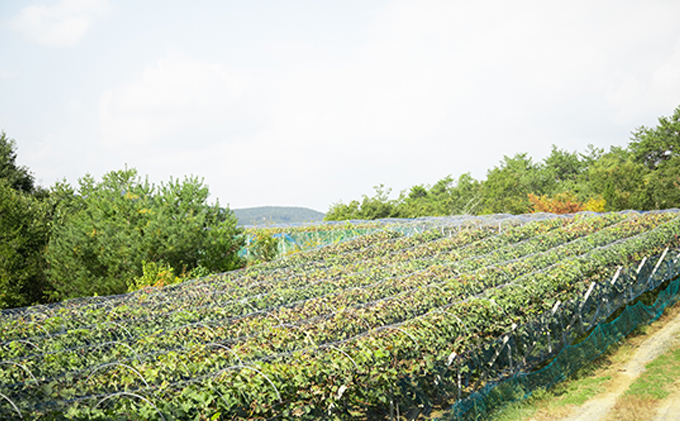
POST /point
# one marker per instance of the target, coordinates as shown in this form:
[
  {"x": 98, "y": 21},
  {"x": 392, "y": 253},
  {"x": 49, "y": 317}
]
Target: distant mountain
[{"x": 276, "y": 215}]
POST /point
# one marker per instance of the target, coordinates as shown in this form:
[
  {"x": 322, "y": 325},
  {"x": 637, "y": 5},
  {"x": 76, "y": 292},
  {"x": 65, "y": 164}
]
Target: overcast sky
[{"x": 308, "y": 103}]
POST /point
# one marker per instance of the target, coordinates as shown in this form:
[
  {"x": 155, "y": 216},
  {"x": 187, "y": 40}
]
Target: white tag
[
  {"x": 590, "y": 289},
  {"x": 616, "y": 275},
  {"x": 642, "y": 263},
  {"x": 451, "y": 358},
  {"x": 555, "y": 307},
  {"x": 660, "y": 260},
  {"x": 341, "y": 390}
]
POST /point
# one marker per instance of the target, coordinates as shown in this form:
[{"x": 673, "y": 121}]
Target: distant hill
[{"x": 276, "y": 215}]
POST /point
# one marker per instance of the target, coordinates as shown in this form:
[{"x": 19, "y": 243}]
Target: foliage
[
  {"x": 657, "y": 147},
  {"x": 596, "y": 205},
  {"x": 444, "y": 198},
  {"x": 644, "y": 175},
  {"x": 560, "y": 204},
  {"x": 158, "y": 275},
  {"x": 110, "y": 228},
  {"x": 566, "y": 202},
  {"x": 154, "y": 275},
  {"x": 24, "y": 232},
  {"x": 376, "y": 207},
  {"x": 328, "y": 333},
  {"x": 620, "y": 181},
  {"x": 18, "y": 177},
  {"x": 563, "y": 166},
  {"x": 66, "y": 243},
  {"x": 507, "y": 186},
  {"x": 265, "y": 247},
  {"x": 332, "y": 332}
]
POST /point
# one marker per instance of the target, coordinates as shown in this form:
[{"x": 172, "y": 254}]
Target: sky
[{"x": 308, "y": 103}]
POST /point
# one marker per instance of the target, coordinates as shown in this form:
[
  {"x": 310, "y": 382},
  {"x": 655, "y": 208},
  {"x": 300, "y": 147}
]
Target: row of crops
[
  {"x": 293, "y": 238},
  {"x": 403, "y": 321}
]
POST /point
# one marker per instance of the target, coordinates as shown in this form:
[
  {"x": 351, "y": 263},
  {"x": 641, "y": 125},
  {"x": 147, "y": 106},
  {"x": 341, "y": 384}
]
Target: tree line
[
  {"x": 644, "y": 175},
  {"x": 106, "y": 236},
  {"x": 122, "y": 233}
]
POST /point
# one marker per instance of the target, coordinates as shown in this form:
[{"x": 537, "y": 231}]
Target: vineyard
[{"x": 406, "y": 319}]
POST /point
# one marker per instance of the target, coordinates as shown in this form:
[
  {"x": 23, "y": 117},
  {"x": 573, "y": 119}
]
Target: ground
[{"x": 639, "y": 380}]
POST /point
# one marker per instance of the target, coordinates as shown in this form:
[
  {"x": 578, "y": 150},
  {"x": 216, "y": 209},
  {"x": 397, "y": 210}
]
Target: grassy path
[
  {"x": 599, "y": 407},
  {"x": 634, "y": 381}
]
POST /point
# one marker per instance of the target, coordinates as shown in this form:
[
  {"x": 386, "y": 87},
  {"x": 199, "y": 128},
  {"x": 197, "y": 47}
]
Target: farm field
[{"x": 393, "y": 323}]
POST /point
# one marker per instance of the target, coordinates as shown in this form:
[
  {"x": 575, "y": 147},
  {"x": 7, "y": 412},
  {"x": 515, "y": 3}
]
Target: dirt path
[
  {"x": 597, "y": 408},
  {"x": 668, "y": 409}
]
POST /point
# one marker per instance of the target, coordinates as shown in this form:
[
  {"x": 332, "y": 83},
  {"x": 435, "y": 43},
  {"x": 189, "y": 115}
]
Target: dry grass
[
  {"x": 633, "y": 408},
  {"x": 601, "y": 376}
]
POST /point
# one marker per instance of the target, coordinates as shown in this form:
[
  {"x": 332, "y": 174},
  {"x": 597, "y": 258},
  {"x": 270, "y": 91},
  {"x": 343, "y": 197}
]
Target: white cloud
[
  {"x": 173, "y": 102},
  {"x": 6, "y": 74},
  {"x": 62, "y": 24}
]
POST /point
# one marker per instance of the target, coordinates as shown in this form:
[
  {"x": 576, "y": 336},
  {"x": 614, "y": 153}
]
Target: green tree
[
  {"x": 507, "y": 186},
  {"x": 663, "y": 185},
  {"x": 376, "y": 207},
  {"x": 418, "y": 202},
  {"x": 656, "y": 147},
  {"x": 562, "y": 170},
  {"x": 446, "y": 197},
  {"x": 340, "y": 212},
  {"x": 18, "y": 177},
  {"x": 465, "y": 196},
  {"x": 24, "y": 233},
  {"x": 106, "y": 230},
  {"x": 620, "y": 180}
]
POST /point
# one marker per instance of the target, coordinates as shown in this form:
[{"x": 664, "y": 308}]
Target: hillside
[
  {"x": 416, "y": 318},
  {"x": 276, "y": 215}
]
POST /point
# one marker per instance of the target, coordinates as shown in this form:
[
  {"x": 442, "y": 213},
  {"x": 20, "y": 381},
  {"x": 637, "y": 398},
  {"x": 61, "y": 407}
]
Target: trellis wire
[{"x": 506, "y": 359}]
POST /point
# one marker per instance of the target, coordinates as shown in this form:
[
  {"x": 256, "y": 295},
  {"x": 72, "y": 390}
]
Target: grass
[
  {"x": 638, "y": 402},
  {"x": 657, "y": 380},
  {"x": 555, "y": 402},
  {"x": 643, "y": 396}
]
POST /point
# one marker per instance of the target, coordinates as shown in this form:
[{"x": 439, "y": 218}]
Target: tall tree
[
  {"x": 507, "y": 186},
  {"x": 562, "y": 169},
  {"x": 18, "y": 177},
  {"x": 375, "y": 207},
  {"x": 446, "y": 197},
  {"x": 24, "y": 233},
  {"x": 112, "y": 227},
  {"x": 620, "y": 180},
  {"x": 656, "y": 147}
]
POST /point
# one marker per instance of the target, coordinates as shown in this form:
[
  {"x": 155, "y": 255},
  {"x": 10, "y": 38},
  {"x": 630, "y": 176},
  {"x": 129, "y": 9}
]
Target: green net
[
  {"x": 293, "y": 238},
  {"x": 521, "y": 385},
  {"x": 295, "y": 241},
  {"x": 450, "y": 316}
]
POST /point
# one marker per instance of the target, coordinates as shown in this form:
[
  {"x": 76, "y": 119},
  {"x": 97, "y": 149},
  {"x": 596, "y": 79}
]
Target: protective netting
[
  {"x": 296, "y": 237},
  {"x": 298, "y": 240},
  {"x": 587, "y": 342},
  {"x": 404, "y": 321}
]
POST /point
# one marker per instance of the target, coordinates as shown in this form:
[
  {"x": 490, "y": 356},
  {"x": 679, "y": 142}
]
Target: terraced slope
[{"x": 360, "y": 329}]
